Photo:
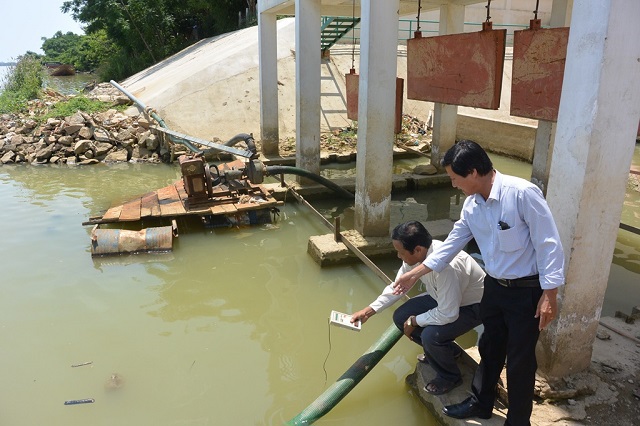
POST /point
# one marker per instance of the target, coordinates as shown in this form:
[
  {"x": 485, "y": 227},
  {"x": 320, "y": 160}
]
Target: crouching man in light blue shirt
[{"x": 449, "y": 307}]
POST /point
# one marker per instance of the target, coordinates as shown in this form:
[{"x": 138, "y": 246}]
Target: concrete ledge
[
  {"x": 502, "y": 137},
  {"x": 468, "y": 363},
  {"x": 326, "y": 251},
  {"x": 399, "y": 183}
]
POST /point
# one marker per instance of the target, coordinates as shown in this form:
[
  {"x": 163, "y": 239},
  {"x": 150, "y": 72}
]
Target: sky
[{"x": 25, "y": 22}]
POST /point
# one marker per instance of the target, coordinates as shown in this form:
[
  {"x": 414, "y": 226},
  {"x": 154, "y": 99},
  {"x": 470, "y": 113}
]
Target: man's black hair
[
  {"x": 412, "y": 234},
  {"x": 465, "y": 156}
]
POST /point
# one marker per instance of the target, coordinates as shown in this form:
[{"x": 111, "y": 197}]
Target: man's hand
[
  {"x": 363, "y": 315},
  {"x": 547, "y": 307},
  {"x": 407, "y": 280},
  {"x": 409, "y": 326}
]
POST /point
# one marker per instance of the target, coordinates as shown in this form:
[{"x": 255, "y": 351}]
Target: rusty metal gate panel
[
  {"x": 352, "y": 87},
  {"x": 457, "y": 69},
  {"x": 539, "y": 57},
  {"x": 352, "y": 80}
]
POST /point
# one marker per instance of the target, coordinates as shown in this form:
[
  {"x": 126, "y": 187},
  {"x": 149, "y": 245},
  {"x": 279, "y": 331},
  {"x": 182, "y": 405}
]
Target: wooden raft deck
[{"x": 172, "y": 201}]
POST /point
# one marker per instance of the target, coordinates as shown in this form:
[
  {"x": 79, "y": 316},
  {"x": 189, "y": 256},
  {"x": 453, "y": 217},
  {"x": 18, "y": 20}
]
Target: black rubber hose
[
  {"x": 277, "y": 170},
  {"x": 336, "y": 392},
  {"x": 243, "y": 137}
]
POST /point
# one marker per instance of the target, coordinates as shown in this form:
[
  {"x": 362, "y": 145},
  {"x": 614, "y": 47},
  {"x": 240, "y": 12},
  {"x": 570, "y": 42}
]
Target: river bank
[
  {"x": 113, "y": 136},
  {"x": 109, "y": 136}
]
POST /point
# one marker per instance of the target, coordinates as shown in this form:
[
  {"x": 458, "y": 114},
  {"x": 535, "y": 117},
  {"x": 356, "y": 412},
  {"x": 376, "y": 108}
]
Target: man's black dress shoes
[{"x": 467, "y": 408}]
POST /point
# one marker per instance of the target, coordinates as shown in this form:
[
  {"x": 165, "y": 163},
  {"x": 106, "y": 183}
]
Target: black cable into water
[{"x": 324, "y": 364}]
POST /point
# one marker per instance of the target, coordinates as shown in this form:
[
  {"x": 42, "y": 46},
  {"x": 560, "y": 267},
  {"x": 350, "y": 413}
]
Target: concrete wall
[{"x": 512, "y": 139}]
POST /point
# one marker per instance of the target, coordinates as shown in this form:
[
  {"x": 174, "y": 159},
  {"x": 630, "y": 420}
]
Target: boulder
[{"x": 120, "y": 155}]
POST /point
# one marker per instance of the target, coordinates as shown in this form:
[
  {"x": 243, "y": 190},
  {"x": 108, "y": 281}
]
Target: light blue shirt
[{"x": 530, "y": 246}]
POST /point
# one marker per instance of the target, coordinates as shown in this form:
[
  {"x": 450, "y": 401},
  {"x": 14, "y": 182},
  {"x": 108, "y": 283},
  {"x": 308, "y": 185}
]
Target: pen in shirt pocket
[{"x": 503, "y": 226}]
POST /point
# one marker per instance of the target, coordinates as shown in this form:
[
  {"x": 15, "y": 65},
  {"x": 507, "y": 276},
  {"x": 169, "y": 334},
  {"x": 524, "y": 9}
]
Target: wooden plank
[
  {"x": 149, "y": 205},
  {"x": 457, "y": 69},
  {"x": 223, "y": 209},
  {"x": 182, "y": 193},
  {"x": 113, "y": 214},
  {"x": 255, "y": 206},
  {"x": 249, "y": 206},
  {"x": 167, "y": 193},
  {"x": 539, "y": 56},
  {"x": 169, "y": 200},
  {"x": 131, "y": 211}
]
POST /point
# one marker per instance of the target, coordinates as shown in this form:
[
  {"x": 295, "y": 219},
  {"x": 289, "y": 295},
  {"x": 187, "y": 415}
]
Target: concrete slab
[
  {"x": 423, "y": 374},
  {"x": 326, "y": 251},
  {"x": 607, "y": 393}
]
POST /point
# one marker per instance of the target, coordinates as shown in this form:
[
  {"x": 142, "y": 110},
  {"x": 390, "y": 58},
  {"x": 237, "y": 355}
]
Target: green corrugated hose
[{"x": 334, "y": 394}]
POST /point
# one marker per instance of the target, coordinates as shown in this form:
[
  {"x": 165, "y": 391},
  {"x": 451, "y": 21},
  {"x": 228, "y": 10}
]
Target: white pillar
[
  {"x": 595, "y": 139},
  {"x": 308, "y": 85},
  {"x": 545, "y": 133},
  {"x": 445, "y": 117},
  {"x": 542, "y": 149},
  {"x": 268, "y": 59},
  {"x": 376, "y": 116}
]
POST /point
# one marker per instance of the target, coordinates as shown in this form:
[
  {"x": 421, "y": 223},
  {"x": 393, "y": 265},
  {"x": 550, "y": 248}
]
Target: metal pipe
[{"x": 184, "y": 139}]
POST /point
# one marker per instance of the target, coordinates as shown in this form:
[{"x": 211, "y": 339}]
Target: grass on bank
[
  {"x": 21, "y": 84},
  {"x": 24, "y": 82}
]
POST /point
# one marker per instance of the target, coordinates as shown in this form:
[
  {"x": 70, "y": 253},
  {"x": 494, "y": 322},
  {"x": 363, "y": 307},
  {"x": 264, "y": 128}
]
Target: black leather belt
[{"x": 530, "y": 281}]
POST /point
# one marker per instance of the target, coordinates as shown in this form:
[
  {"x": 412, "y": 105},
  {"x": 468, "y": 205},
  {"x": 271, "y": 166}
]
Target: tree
[{"x": 147, "y": 31}]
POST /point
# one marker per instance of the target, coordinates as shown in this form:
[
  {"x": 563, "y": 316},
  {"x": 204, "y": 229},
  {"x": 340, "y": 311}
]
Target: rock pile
[
  {"x": 81, "y": 138},
  {"x": 109, "y": 136}
]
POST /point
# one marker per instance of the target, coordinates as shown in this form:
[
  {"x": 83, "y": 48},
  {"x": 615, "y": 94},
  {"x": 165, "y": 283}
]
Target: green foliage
[
  {"x": 84, "y": 52},
  {"x": 21, "y": 84},
  {"x": 62, "y": 48},
  {"x": 75, "y": 104},
  {"x": 144, "y": 32}
]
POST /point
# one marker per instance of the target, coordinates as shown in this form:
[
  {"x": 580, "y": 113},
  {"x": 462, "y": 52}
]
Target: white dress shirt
[
  {"x": 459, "y": 283},
  {"x": 530, "y": 246}
]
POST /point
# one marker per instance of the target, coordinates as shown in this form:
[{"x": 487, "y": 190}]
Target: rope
[{"x": 353, "y": 37}]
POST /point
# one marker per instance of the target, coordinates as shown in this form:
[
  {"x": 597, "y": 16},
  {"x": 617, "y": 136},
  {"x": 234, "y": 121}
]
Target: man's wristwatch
[{"x": 410, "y": 321}]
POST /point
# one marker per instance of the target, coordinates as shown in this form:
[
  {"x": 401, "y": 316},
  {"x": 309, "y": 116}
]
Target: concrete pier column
[
  {"x": 445, "y": 117},
  {"x": 545, "y": 134},
  {"x": 268, "y": 59},
  {"x": 376, "y": 112},
  {"x": 594, "y": 143},
  {"x": 308, "y": 85},
  {"x": 542, "y": 148}
]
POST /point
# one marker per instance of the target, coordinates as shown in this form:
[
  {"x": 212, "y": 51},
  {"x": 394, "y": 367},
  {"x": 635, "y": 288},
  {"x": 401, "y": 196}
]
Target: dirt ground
[
  {"x": 415, "y": 134},
  {"x": 606, "y": 394}
]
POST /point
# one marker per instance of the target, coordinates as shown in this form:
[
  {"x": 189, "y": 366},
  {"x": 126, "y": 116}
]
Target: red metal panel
[
  {"x": 457, "y": 69},
  {"x": 352, "y": 84},
  {"x": 538, "y": 69},
  {"x": 399, "y": 99}
]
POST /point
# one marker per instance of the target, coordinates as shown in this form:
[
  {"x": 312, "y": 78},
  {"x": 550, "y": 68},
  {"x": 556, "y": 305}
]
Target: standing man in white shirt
[
  {"x": 448, "y": 308},
  {"x": 519, "y": 242}
]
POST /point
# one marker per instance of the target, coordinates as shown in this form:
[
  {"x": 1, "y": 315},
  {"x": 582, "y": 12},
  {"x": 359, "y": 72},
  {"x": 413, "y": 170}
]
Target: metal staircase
[{"x": 334, "y": 28}]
